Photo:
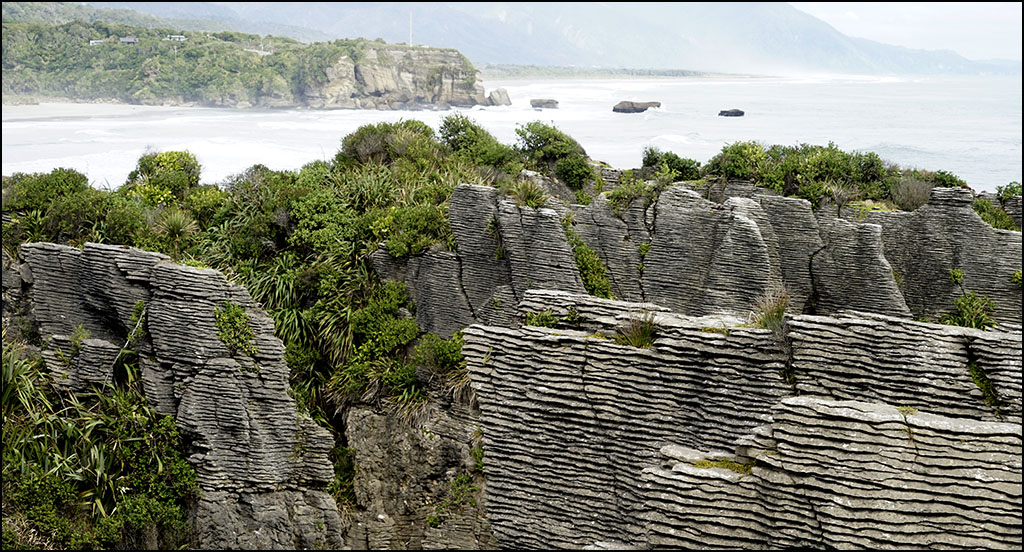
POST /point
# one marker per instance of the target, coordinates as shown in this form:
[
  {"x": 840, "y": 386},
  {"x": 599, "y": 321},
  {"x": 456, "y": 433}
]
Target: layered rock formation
[
  {"x": 394, "y": 76},
  {"x": 693, "y": 443},
  {"x": 261, "y": 466},
  {"x": 700, "y": 257},
  {"x": 844, "y": 429}
]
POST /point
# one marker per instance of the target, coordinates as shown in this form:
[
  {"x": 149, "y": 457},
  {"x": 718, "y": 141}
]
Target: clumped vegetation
[
  {"x": 820, "y": 173},
  {"x": 638, "y": 331},
  {"x": 995, "y": 216},
  {"x": 99, "y": 469},
  {"x": 770, "y": 311},
  {"x": 972, "y": 310},
  {"x": 683, "y": 169}
]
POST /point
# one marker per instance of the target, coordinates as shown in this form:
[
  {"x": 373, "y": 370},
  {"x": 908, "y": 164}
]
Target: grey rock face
[
  {"x": 499, "y": 96},
  {"x": 700, "y": 257},
  {"x": 850, "y": 272},
  {"x": 704, "y": 258},
  {"x": 262, "y": 468},
  {"x": 626, "y": 106},
  {"x": 846, "y": 474},
  {"x": 905, "y": 363},
  {"x": 407, "y": 472},
  {"x": 400, "y": 77},
  {"x": 569, "y": 419},
  {"x": 603, "y": 442},
  {"x": 922, "y": 246}
]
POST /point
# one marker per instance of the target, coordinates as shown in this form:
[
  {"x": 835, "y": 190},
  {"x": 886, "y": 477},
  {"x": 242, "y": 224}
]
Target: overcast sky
[{"x": 979, "y": 30}]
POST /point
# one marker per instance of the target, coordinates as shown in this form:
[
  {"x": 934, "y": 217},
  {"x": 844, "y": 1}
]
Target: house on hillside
[
  {"x": 176, "y": 38},
  {"x": 95, "y": 42},
  {"x": 128, "y": 40}
]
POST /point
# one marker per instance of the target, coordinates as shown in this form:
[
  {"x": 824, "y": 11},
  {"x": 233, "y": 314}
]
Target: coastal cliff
[{"x": 99, "y": 62}]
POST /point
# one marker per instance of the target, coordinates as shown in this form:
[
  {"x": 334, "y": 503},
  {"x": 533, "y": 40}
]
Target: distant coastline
[{"x": 516, "y": 72}]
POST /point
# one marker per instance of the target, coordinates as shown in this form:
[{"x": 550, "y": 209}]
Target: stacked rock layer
[
  {"x": 262, "y": 467},
  {"x": 722, "y": 436},
  {"x": 699, "y": 257}
]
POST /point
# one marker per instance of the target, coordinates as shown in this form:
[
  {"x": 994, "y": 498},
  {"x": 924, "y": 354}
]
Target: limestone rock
[
  {"x": 544, "y": 103},
  {"x": 394, "y": 76},
  {"x": 731, "y": 113},
  {"x": 955, "y": 237},
  {"x": 847, "y": 474},
  {"x": 851, "y": 273},
  {"x": 499, "y": 96},
  {"x": 262, "y": 468},
  {"x": 560, "y": 406},
  {"x": 626, "y": 106},
  {"x": 406, "y": 473},
  {"x": 727, "y": 261}
]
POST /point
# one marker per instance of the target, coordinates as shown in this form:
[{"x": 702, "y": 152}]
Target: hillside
[
  {"x": 193, "y": 20},
  {"x": 103, "y": 61},
  {"x": 757, "y": 38}
]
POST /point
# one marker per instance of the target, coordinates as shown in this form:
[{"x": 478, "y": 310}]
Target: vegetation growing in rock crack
[
  {"x": 460, "y": 493},
  {"x": 234, "y": 328},
  {"x": 638, "y": 330},
  {"x": 988, "y": 390},
  {"x": 972, "y": 310},
  {"x": 770, "y": 310},
  {"x": 543, "y": 319}
]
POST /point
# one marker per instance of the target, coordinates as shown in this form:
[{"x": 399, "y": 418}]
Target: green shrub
[
  {"x": 234, "y": 328},
  {"x": 1011, "y": 190},
  {"x": 529, "y": 194},
  {"x": 742, "y": 160},
  {"x": 204, "y": 202},
  {"x": 544, "y": 145},
  {"x": 994, "y": 215},
  {"x": 1016, "y": 279},
  {"x": 543, "y": 319},
  {"x": 416, "y": 228},
  {"x": 629, "y": 190},
  {"x": 173, "y": 171},
  {"x": 588, "y": 262},
  {"x": 685, "y": 169},
  {"x": 946, "y": 179},
  {"x": 972, "y": 310},
  {"x": 74, "y": 217},
  {"x": 574, "y": 170},
  {"x": 39, "y": 190},
  {"x": 467, "y": 139},
  {"x": 389, "y": 143}
]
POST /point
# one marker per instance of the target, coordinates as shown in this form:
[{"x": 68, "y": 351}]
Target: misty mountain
[
  {"x": 761, "y": 38},
  {"x": 196, "y": 16}
]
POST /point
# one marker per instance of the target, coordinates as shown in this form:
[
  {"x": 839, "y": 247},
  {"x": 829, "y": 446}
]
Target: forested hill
[{"x": 101, "y": 61}]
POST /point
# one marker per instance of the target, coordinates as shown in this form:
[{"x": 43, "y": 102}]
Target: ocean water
[{"x": 970, "y": 126}]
